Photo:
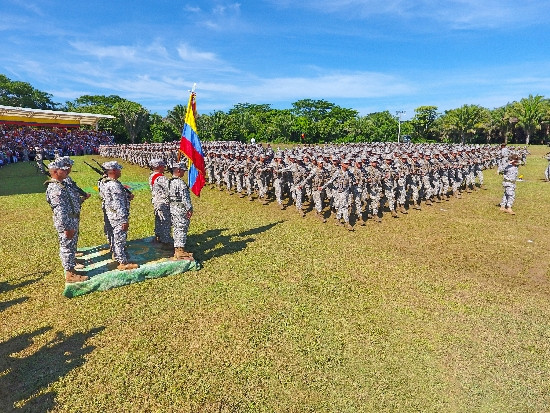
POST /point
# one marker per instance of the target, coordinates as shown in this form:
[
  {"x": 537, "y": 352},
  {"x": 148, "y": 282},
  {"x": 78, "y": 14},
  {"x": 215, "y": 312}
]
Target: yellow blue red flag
[{"x": 190, "y": 145}]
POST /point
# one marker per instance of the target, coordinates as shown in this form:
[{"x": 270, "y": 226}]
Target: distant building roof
[{"x": 42, "y": 117}]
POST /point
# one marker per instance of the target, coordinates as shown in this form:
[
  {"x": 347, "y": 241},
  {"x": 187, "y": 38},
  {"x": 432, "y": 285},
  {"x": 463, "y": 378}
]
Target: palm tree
[
  {"x": 176, "y": 117},
  {"x": 465, "y": 121},
  {"x": 530, "y": 113}
]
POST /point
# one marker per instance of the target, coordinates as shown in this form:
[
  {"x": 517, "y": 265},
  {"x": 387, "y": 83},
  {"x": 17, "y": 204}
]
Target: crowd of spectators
[{"x": 21, "y": 143}]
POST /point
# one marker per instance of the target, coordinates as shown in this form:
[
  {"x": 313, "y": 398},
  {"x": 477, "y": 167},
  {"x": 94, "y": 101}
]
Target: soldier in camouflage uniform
[
  {"x": 374, "y": 181},
  {"x": 299, "y": 175},
  {"x": 181, "y": 210},
  {"x": 65, "y": 204},
  {"x": 319, "y": 176},
  {"x": 159, "y": 198},
  {"x": 510, "y": 176},
  {"x": 359, "y": 189},
  {"x": 402, "y": 171},
  {"x": 279, "y": 170},
  {"x": 116, "y": 207},
  {"x": 342, "y": 181},
  {"x": 389, "y": 182}
]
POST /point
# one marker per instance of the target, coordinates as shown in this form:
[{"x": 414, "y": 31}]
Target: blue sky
[{"x": 369, "y": 55}]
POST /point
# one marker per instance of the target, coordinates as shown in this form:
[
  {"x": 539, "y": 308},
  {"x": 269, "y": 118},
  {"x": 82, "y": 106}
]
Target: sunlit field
[{"x": 442, "y": 310}]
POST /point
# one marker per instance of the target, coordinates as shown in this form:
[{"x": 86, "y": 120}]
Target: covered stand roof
[{"x": 42, "y": 117}]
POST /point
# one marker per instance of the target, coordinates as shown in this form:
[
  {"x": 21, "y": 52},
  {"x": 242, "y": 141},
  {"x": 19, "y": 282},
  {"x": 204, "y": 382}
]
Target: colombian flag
[{"x": 190, "y": 146}]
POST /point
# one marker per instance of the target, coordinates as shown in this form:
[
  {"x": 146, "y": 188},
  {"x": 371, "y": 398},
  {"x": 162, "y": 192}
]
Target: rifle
[
  {"x": 44, "y": 168},
  {"x": 103, "y": 172}
]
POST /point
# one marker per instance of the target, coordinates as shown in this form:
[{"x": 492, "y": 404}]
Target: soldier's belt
[{"x": 74, "y": 215}]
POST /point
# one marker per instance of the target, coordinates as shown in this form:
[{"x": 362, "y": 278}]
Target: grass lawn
[{"x": 443, "y": 310}]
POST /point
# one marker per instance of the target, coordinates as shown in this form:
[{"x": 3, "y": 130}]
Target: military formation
[{"x": 352, "y": 182}]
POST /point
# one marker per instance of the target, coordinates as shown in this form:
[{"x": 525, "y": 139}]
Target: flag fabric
[{"x": 190, "y": 146}]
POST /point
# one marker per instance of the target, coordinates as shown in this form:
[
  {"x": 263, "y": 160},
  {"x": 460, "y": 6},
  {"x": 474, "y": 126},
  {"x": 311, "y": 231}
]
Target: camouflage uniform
[
  {"x": 510, "y": 175},
  {"x": 180, "y": 205},
  {"x": 65, "y": 205},
  {"x": 342, "y": 181},
  {"x": 116, "y": 208},
  {"x": 159, "y": 198},
  {"x": 374, "y": 180}
]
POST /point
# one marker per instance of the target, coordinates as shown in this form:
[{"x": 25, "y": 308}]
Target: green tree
[
  {"x": 383, "y": 127},
  {"x": 530, "y": 113},
  {"x": 135, "y": 118},
  {"x": 160, "y": 130},
  {"x": 176, "y": 117},
  {"x": 22, "y": 94},
  {"x": 424, "y": 123},
  {"x": 105, "y": 105},
  {"x": 465, "y": 121}
]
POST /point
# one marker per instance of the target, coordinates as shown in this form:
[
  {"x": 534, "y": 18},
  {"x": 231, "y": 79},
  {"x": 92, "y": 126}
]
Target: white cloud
[
  {"x": 125, "y": 53},
  {"x": 188, "y": 53},
  {"x": 455, "y": 14}
]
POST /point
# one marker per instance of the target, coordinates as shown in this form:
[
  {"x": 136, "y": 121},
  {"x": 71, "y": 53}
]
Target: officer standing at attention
[
  {"x": 65, "y": 205},
  {"x": 116, "y": 205},
  {"x": 159, "y": 191},
  {"x": 181, "y": 210}
]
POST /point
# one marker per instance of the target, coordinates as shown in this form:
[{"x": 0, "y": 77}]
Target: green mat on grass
[{"x": 102, "y": 270}]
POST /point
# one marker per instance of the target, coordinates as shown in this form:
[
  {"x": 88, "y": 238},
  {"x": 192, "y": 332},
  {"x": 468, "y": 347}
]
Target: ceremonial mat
[{"x": 102, "y": 270}]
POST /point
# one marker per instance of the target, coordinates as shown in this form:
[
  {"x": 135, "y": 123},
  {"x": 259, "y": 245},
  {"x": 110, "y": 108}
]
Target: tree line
[{"x": 308, "y": 121}]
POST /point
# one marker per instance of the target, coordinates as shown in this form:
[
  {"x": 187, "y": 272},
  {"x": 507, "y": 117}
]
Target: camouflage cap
[
  {"x": 155, "y": 163},
  {"x": 58, "y": 164},
  {"x": 65, "y": 160},
  {"x": 111, "y": 165},
  {"x": 179, "y": 165}
]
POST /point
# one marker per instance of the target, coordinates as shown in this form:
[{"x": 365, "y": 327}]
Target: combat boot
[
  {"x": 282, "y": 207},
  {"x": 509, "y": 210},
  {"x": 502, "y": 208},
  {"x": 250, "y": 198},
  {"x": 340, "y": 223},
  {"x": 428, "y": 202},
  {"x": 378, "y": 219},
  {"x": 181, "y": 254},
  {"x": 127, "y": 266},
  {"x": 73, "y": 277},
  {"x": 394, "y": 214},
  {"x": 349, "y": 227},
  {"x": 403, "y": 210},
  {"x": 418, "y": 207}
]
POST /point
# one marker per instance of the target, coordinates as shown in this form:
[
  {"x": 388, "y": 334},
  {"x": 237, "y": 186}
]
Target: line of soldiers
[{"x": 360, "y": 180}]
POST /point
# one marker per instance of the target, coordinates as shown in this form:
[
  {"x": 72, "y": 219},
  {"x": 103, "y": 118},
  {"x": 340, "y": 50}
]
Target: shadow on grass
[
  {"x": 5, "y": 286},
  {"x": 213, "y": 243},
  {"x": 7, "y": 304},
  {"x": 26, "y": 376}
]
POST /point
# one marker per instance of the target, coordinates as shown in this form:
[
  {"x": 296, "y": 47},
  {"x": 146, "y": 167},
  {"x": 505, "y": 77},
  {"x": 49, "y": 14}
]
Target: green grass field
[{"x": 443, "y": 310}]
